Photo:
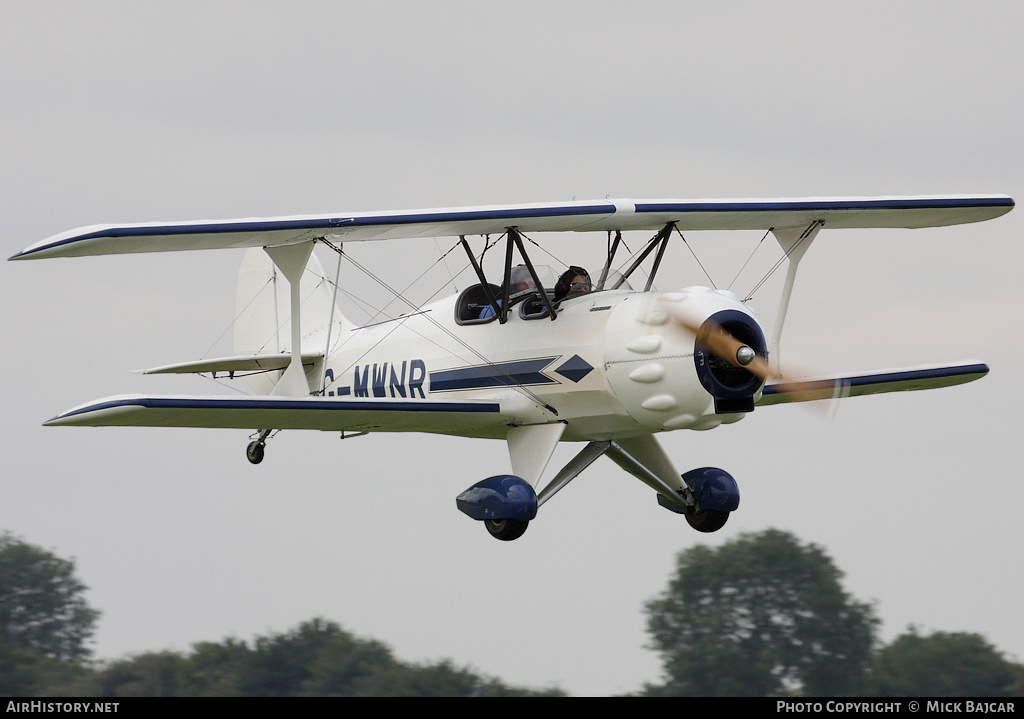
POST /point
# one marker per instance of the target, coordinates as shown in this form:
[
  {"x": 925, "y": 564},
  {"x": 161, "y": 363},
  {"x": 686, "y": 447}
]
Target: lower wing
[
  {"x": 853, "y": 385},
  {"x": 323, "y": 413}
]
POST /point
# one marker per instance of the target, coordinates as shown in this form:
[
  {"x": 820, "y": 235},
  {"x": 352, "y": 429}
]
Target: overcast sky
[{"x": 125, "y": 112}]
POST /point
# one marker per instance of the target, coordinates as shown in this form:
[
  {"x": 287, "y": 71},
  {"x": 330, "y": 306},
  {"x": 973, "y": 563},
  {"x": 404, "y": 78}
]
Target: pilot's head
[
  {"x": 574, "y": 281},
  {"x": 520, "y": 280}
]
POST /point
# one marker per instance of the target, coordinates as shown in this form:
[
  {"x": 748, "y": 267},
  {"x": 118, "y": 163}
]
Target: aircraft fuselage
[{"x": 612, "y": 364}]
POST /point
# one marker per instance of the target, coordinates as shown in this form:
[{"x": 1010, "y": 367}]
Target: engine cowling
[{"x": 662, "y": 375}]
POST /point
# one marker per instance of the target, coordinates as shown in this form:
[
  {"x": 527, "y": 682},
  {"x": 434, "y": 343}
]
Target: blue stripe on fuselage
[{"x": 502, "y": 374}]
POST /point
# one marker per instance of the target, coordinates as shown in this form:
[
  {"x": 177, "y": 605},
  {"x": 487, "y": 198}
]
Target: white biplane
[{"x": 609, "y": 368}]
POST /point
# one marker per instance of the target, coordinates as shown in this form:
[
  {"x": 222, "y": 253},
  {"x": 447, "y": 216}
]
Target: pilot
[
  {"x": 520, "y": 281},
  {"x": 574, "y": 281}
]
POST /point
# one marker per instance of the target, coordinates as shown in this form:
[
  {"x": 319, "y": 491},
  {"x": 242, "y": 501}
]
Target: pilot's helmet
[
  {"x": 565, "y": 287},
  {"x": 520, "y": 279}
]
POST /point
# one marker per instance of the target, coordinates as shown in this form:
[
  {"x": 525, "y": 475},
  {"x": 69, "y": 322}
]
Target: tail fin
[{"x": 262, "y": 315}]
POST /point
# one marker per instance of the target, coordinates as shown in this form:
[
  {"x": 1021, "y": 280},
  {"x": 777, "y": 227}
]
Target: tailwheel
[
  {"x": 506, "y": 529},
  {"x": 709, "y": 520},
  {"x": 254, "y": 452},
  {"x": 255, "y": 449}
]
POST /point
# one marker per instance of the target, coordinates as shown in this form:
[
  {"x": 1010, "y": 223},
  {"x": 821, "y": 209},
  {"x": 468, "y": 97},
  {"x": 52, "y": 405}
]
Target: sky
[{"x": 134, "y": 112}]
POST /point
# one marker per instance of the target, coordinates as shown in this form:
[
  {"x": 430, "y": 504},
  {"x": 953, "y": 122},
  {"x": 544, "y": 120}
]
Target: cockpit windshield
[
  {"x": 614, "y": 278},
  {"x": 522, "y": 282},
  {"x": 549, "y": 279},
  {"x": 474, "y": 305}
]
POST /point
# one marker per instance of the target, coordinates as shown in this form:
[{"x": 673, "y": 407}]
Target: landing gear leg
[{"x": 254, "y": 452}]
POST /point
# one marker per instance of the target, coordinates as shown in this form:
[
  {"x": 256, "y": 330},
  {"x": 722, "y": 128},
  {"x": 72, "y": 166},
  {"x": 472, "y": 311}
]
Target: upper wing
[
  {"x": 324, "y": 413},
  {"x": 907, "y": 212},
  {"x": 853, "y": 385}
]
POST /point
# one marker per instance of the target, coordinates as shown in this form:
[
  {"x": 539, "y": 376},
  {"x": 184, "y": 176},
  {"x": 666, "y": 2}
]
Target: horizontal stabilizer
[
  {"x": 854, "y": 385},
  {"x": 323, "y": 413},
  {"x": 240, "y": 363},
  {"x": 576, "y": 216}
]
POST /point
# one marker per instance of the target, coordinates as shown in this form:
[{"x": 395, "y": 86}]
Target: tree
[
  {"x": 41, "y": 601},
  {"x": 318, "y": 658},
  {"x": 153, "y": 674},
  {"x": 761, "y": 615},
  {"x": 26, "y": 672},
  {"x": 282, "y": 664},
  {"x": 943, "y": 665}
]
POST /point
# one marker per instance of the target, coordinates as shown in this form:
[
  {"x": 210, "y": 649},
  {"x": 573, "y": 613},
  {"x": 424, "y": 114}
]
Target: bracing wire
[
  {"x": 778, "y": 264},
  {"x": 231, "y": 324},
  {"x": 469, "y": 348},
  {"x": 398, "y": 295},
  {"x": 544, "y": 250},
  {"x": 749, "y": 258},
  {"x": 701, "y": 264}
]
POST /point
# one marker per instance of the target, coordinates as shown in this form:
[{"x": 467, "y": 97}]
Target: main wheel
[
  {"x": 709, "y": 520},
  {"x": 506, "y": 529},
  {"x": 254, "y": 452}
]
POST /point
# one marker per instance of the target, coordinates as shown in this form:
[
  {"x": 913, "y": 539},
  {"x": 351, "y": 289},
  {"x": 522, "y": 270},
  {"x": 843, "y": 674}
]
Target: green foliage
[
  {"x": 41, "y": 602},
  {"x": 26, "y": 672},
  {"x": 318, "y": 658},
  {"x": 761, "y": 615},
  {"x": 943, "y": 665},
  {"x": 156, "y": 674}
]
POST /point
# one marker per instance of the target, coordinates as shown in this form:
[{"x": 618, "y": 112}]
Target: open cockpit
[{"x": 474, "y": 304}]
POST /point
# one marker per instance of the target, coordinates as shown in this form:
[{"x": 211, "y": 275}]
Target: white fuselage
[{"x": 612, "y": 365}]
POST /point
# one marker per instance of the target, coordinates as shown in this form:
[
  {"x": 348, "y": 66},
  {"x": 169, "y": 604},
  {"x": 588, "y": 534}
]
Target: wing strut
[
  {"x": 330, "y": 321},
  {"x": 612, "y": 247},
  {"x": 514, "y": 236},
  {"x": 291, "y": 260},
  {"x": 794, "y": 242},
  {"x": 660, "y": 241},
  {"x": 480, "y": 276}
]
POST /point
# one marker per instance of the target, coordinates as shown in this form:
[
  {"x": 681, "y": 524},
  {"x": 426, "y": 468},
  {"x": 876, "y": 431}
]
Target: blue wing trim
[
  {"x": 257, "y": 403},
  {"x": 930, "y": 211},
  {"x": 306, "y": 224},
  {"x": 882, "y": 203}
]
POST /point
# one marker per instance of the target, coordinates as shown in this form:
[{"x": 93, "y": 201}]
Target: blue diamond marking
[{"x": 575, "y": 368}]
